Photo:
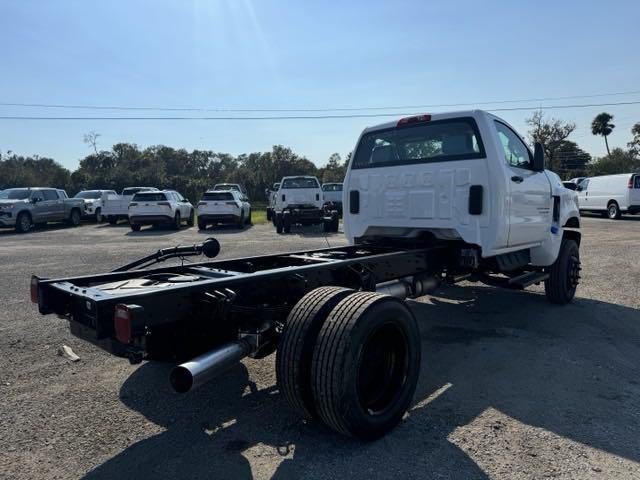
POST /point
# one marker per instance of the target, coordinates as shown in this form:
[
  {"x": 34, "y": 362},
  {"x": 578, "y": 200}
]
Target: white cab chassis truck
[
  {"x": 300, "y": 201},
  {"x": 428, "y": 200}
]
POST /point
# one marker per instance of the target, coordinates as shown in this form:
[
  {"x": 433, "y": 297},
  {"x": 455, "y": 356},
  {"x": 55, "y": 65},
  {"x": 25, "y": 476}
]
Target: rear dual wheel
[
  {"x": 365, "y": 360},
  {"x": 177, "y": 221}
]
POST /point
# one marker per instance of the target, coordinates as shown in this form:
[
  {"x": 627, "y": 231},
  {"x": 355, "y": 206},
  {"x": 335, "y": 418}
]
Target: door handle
[{"x": 517, "y": 179}]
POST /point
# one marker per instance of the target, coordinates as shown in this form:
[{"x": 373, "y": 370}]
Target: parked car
[
  {"x": 162, "y": 207},
  {"x": 22, "y": 208},
  {"x": 271, "y": 199},
  {"x": 116, "y": 207},
  {"x": 300, "y": 202},
  {"x": 223, "y": 206},
  {"x": 332, "y": 193},
  {"x": 611, "y": 195},
  {"x": 93, "y": 203}
]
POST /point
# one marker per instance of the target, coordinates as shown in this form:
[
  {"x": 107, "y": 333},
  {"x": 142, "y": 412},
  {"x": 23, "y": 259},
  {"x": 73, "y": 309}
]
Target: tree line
[{"x": 192, "y": 173}]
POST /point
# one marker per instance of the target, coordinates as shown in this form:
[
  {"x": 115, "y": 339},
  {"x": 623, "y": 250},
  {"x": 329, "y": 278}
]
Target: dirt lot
[{"x": 511, "y": 386}]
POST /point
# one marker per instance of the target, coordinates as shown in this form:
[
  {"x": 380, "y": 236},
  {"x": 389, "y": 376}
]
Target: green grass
[{"x": 259, "y": 216}]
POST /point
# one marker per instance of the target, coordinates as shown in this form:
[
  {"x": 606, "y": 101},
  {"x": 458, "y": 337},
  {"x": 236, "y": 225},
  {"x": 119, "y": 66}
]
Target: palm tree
[{"x": 602, "y": 125}]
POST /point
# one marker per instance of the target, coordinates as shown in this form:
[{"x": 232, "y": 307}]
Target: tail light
[
  {"x": 133, "y": 204},
  {"x": 122, "y": 323},
  {"x": 414, "y": 119},
  {"x": 35, "y": 288},
  {"x": 164, "y": 204}
]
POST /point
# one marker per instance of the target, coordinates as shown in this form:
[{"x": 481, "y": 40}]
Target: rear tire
[
  {"x": 135, "y": 227},
  {"x": 241, "y": 222},
  {"x": 202, "y": 225},
  {"x": 23, "y": 222},
  {"x": 278, "y": 222},
  {"x": 249, "y": 218},
  {"x": 99, "y": 218},
  {"x": 366, "y": 364},
  {"x": 564, "y": 274},
  {"x": 613, "y": 211},
  {"x": 295, "y": 351},
  {"x": 269, "y": 215},
  {"x": 74, "y": 217},
  {"x": 286, "y": 223},
  {"x": 177, "y": 221},
  {"x": 112, "y": 220},
  {"x": 192, "y": 219}
]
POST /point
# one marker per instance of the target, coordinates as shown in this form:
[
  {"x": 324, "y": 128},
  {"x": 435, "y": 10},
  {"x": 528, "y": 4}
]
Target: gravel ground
[{"x": 511, "y": 386}]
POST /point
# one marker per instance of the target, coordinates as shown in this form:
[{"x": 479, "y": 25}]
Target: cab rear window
[
  {"x": 300, "y": 182},
  {"x": 332, "y": 187},
  {"x": 149, "y": 197},
  {"x": 217, "y": 196},
  {"x": 433, "y": 141}
]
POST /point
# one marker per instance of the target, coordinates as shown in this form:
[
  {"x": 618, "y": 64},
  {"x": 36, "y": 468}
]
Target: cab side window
[
  {"x": 583, "y": 185},
  {"x": 37, "y": 196},
  {"x": 50, "y": 194},
  {"x": 516, "y": 152}
]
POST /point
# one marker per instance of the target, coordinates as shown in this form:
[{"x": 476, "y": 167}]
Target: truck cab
[
  {"x": 300, "y": 201},
  {"x": 461, "y": 176}
]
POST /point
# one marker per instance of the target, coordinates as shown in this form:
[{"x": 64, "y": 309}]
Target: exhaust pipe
[{"x": 198, "y": 371}]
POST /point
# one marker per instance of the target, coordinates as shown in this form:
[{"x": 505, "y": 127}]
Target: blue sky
[{"x": 253, "y": 54}]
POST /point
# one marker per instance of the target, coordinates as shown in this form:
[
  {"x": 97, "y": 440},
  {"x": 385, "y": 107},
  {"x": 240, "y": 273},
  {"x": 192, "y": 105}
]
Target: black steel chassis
[{"x": 248, "y": 296}]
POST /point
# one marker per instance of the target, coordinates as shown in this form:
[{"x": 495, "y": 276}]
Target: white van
[{"x": 612, "y": 195}]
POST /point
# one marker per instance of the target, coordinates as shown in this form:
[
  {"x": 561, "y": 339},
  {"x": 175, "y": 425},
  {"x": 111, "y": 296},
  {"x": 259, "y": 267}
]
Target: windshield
[
  {"x": 15, "y": 194},
  {"x": 89, "y": 194},
  {"x": 443, "y": 140},
  {"x": 332, "y": 187},
  {"x": 300, "y": 182},
  {"x": 212, "y": 196},
  {"x": 149, "y": 197}
]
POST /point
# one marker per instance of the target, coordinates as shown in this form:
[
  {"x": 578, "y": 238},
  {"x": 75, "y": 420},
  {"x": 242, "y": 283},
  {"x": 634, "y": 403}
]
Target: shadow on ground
[
  {"x": 562, "y": 369},
  {"x": 224, "y": 229}
]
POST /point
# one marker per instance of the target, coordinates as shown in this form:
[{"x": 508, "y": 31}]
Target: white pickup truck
[
  {"x": 468, "y": 179},
  {"x": 116, "y": 207},
  {"x": 300, "y": 201}
]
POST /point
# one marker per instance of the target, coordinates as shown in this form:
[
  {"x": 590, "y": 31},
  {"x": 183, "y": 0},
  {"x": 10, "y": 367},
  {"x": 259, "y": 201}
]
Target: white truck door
[
  {"x": 529, "y": 193},
  {"x": 634, "y": 191},
  {"x": 583, "y": 195}
]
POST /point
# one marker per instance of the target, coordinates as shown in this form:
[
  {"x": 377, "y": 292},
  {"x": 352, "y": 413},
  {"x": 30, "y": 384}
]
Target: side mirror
[{"x": 538, "y": 158}]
